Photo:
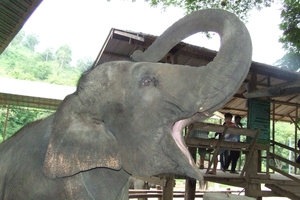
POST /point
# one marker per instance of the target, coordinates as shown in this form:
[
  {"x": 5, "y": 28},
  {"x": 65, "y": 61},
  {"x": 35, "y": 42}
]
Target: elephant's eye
[{"x": 147, "y": 81}]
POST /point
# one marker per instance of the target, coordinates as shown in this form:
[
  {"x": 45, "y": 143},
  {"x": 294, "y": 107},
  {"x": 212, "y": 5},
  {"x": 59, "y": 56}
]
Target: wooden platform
[{"x": 280, "y": 185}]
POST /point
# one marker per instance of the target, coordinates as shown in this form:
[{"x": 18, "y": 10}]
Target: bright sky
[{"x": 84, "y": 26}]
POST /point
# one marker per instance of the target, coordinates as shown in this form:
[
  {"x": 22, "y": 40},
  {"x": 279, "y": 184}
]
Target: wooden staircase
[
  {"x": 290, "y": 186},
  {"x": 291, "y": 191}
]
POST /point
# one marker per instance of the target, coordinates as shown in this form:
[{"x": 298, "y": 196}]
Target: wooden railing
[
  {"x": 221, "y": 144},
  {"x": 176, "y": 194},
  {"x": 274, "y": 156}
]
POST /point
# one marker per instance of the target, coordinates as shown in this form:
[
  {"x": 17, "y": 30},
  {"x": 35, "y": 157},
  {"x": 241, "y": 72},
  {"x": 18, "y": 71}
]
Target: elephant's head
[{"x": 130, "y": 115}]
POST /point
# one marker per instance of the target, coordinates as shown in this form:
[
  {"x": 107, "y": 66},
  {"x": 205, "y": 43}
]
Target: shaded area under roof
[{"x": 13, "y": 15}]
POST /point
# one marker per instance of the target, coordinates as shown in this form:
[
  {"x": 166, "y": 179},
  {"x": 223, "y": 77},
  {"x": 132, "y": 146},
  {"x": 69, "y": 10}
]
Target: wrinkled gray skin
[{"x": 99, "y": 135}]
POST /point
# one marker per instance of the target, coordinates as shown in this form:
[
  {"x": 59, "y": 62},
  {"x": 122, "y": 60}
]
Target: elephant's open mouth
[
  {"x": 191, "y": 170},
  {"x": 177, "y": 132},
  {"x": 177, "y": 135}
]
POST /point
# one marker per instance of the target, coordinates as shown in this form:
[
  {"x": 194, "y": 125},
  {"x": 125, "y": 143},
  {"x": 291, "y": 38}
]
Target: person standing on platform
[
  {"x": 234, "y": 155},
  {"x": 227, "y": 137}
]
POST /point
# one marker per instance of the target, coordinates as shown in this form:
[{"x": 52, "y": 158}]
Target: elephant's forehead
[
  {"x": 146, "y": 68},
  {"x": 110, "y": 71},
  {"x": 117, "y": 67}
]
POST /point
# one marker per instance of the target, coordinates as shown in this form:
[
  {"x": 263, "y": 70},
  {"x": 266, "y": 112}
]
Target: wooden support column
[
  {"x": 190, "y": 184},
  {"x": 252, "y": 189},
  {"x": 167, "y": 193}
]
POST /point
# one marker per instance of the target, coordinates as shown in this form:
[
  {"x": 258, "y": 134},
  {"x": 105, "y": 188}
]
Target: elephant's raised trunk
[{"x": 223, "y": 76}]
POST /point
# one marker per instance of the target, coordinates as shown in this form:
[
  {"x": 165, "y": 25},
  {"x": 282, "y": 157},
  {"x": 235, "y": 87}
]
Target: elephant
[{"x": 126, "y": 118}]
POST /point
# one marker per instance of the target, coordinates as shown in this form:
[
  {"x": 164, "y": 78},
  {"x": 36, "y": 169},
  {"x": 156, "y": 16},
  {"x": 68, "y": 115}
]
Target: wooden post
[
  {"x": 167, "y": 193},
  {"x": 190, "y": 184},
  {"x": 259, "y": 154},
  {"x": 253, "y": 188}
]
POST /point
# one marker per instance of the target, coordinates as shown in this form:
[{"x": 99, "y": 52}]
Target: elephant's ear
[{"x": 79, "y": 143}]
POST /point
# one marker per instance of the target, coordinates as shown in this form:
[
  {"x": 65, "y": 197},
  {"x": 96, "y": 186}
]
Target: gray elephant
[{"x": 123, "y": 115}]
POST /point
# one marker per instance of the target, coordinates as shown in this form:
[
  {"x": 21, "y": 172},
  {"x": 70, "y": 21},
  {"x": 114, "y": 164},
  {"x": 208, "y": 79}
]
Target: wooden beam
[
  {"x": 123, "y": 57},
  {"x": 283, "y": 89},
  {"x": 274, "y": 72},
  {"x": 284, "y": 103},
  {"x": 129, "y": 35}
]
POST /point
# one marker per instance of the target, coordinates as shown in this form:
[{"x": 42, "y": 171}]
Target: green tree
[
  {"x": 31, "y": 41},
  {"x": 290, "y": 61},
  {"x": 284, "y": 132},
  {"x": 63, "y": 56},
  {"x": 290, "y": 39},
  {"x": 41, "y": 70},
  {"x": 19, "y": 117},
  {"x": 240, "y": 7},
  {"x": 290, "y": 26},
  {"x": 48, "y": 54},
  {"x": 18, "y": 38},
  {"x": 20, "y": 62},
  {"x": 84, "y": 64}
]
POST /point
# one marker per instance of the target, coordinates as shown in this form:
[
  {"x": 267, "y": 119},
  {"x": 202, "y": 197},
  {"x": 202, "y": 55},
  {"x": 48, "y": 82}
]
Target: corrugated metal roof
[
  {"x": 32, "y": 94},
  {"x": 13, "y": 15},
  {"x": 121, "y": 44}
]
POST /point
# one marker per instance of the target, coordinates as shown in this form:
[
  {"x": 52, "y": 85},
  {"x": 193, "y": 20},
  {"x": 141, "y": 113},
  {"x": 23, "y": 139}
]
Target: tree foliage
[
  {"x": 31, "y": 41},
  {"x": 17, "y": 118},
  {"x": 290, "y": 26},
  {"x": 20, "y": 60},
  {"x": 84, "y": 64},
  {"x": 290, "y": 61},
  {"x": 240, "y": 7},
  {"x": 284, "y": 134},
  {"x": 290, "y": 39},
  {"x": 63, "y": 56}
]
